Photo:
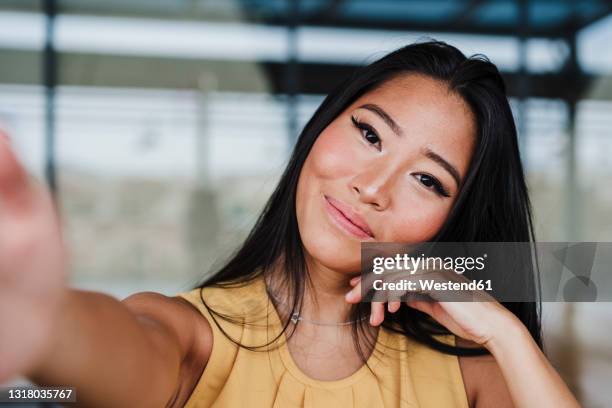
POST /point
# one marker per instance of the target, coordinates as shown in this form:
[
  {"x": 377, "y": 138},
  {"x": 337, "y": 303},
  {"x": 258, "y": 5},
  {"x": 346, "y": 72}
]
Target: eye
[
  {"x": 367, "y": 131},
  {"x": 432, "y": 183}
]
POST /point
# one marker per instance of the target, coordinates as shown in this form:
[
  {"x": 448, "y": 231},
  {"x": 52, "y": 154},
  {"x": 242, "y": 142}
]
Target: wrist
[
  {"x": 507, "y": 331},
  {"x": 55, "y": 334}
]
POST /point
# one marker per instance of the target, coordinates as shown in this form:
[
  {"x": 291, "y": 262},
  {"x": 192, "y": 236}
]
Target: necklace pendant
[{"x": 295, "y": 317}]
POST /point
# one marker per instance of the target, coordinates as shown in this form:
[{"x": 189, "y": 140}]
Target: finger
[
  {"x": 393, "y": 306},
  {"x": 15, "y": 189},
  {"x": 423, "y": 306},
  {"x": 354, "y": 295},
  {"x": 378, "y": 313},
  {"x": 354, "y": 281}
]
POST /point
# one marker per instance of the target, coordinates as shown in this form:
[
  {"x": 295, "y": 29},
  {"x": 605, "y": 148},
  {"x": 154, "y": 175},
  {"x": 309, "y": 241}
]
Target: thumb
[{"x": 15, "y": 189}]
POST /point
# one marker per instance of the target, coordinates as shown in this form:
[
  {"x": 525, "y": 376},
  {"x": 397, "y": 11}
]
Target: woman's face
[{"x": 392, "y": 163}]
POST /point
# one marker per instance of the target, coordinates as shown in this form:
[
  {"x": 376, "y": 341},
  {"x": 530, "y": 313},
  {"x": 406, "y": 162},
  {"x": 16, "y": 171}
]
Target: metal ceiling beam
[
  {"x": 322, "y": 78},
  {"x": 49, "y": 76},
  {"x": 404, "y": 25},
  {"x": 323, "y": 19}
]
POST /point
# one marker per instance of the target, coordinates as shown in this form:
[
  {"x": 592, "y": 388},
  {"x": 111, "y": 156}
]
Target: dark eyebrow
[
  {"x": 442, "y": 162},
  {"x": 385, "y": 116}
]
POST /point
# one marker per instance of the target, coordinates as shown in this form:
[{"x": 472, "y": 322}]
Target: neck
[{"x": 324, "y": 299}]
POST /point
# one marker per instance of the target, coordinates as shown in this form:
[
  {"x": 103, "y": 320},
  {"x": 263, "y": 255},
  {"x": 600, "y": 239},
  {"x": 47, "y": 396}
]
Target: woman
[{"x": 418, "y": 146}]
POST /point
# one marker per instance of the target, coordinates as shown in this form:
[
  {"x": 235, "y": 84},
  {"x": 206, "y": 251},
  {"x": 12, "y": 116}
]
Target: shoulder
[
  {"x": 174, "y": 314},
  {"x": 484, "y": 383},
  {"x": 219, "y": 311},
  {"x": 190, "y": 329}
]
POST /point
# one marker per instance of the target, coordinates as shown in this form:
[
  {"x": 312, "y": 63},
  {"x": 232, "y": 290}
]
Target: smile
[{"x": 338, "y": 218}]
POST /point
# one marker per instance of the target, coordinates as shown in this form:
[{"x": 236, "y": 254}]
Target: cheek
[
  {"x": 327, "y": 160},
  {"x": 329, "y": 163},
  {"x": 417, "y": 220},
  {"x": 330, "y": 160},
  {"x": 333, "y": 156}
]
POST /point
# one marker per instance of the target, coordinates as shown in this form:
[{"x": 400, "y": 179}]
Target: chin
[{"x": 332, "y": 251}]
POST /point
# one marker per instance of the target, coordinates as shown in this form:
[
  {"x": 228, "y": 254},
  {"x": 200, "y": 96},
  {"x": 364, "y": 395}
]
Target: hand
[
  {"x": 32, "y": 267},
  {"x": 477, "y": 321}
]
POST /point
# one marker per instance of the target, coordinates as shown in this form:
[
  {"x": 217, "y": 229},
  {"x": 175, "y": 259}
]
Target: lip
[{"x": 346, "y": 218}]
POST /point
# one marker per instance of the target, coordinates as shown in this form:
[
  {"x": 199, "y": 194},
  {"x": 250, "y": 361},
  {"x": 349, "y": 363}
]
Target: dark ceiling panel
[
  {"x": 547, "y": 18},
  {"x": 321, "y": 79}
]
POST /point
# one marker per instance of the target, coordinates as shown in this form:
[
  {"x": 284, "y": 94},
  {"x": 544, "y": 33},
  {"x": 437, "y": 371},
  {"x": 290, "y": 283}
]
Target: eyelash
[
  {"x": 436, "y": 185},
  {"x": 364, "y": 127}
]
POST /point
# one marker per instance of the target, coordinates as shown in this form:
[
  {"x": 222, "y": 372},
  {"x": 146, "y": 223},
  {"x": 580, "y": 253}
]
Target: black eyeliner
[
  {"x": 363, "y": 126},
  {"x": 439, "y": 188}
]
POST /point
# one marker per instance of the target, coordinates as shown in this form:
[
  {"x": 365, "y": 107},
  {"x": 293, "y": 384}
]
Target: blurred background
[{"x": 162, "y": 126}]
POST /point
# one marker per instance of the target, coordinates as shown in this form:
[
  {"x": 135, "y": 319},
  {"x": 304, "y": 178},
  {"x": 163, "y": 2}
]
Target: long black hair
[{"x": 492, "y": 205}]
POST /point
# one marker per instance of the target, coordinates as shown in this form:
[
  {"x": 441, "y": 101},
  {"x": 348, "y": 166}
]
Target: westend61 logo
[{"x": 412, "y": 264}]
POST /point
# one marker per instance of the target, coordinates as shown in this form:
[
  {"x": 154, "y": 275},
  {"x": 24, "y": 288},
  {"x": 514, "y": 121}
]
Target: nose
[{"x": 372, "y": 186}]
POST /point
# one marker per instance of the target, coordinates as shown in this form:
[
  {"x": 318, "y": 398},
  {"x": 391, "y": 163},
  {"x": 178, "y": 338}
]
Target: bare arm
[
  {"x": 515, "y": 374},
  {"x": 530, "y": 378},
  {"x": 139, "y": 352},
  {"x": 121, "y": 354}
]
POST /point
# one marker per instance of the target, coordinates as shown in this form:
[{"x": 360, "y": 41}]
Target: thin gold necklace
[{"x": 295, "y": 316}]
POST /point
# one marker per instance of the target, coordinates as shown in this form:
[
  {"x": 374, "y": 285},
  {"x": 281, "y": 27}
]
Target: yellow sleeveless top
[{"x": 408, "y": 374}]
